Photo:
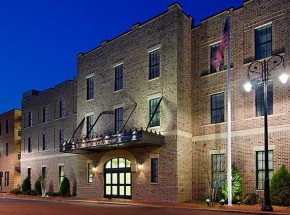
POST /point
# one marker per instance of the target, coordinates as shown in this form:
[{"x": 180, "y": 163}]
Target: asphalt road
[{"x": 46, "y": 207}]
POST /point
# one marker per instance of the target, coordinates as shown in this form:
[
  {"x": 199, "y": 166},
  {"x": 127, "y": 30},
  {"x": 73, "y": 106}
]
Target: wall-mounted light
[
  {"x": 95, "y": 169},
  {"x": 140, "y": 166}
]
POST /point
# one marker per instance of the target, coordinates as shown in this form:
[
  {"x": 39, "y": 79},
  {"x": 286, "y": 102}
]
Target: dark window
[
  {"x": 218, "y": 170},
  {"x": 152, "y": 107},
  {"x": 44, "y": 142},
  {"x": 154, "y": 64},
  {"x": 154, "y": 170},
  {"x": 61, "y": 109},
  {"x": 43, "y": 172},
  {"x": 119, "y": 77},
  {"x": 29, "y": 119},
  {"x": 213, "y": 50},
  {"x": 90, "y": 123},
  {"x": 45, "y": 114},
  {"x": 60, "y": 173},
  {"x": 260, "y": 163},
  {"x": 90, "y": 173},
  {"x": 29, "y": 145},
  {"x": 6, "y": 179},
  {"x": 90, "y": 88},
  {"x": 29, "y": 173},
  {"x": 7, "y": 126},
  {"x": 0, "y": 129},
  {"x": 217, "y": 108},
  {"x": 263, "y": 42},
  {"x": 260, "y": 100},
  {"x": 61, "y": 137},
  {"x": 7, "y": 149},
  {"x": 118, "y": 119}
]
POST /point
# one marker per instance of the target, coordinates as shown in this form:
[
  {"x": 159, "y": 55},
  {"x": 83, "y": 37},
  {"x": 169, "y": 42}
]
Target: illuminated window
[
  {"x": 260, "y": 166},
  {"x": 263, "y": 42},
  {"x": 152, "y": 108},
  {"x": 218, "y": 170},
  {"x": 213, "y": 50},
  {"x": 119, "y": 77},
  {"x": 60, "y": 174},
  {"x": 90, "y": 173},
  {"x": 90, "y": 88},
  {"x": 154, "y": 64}
]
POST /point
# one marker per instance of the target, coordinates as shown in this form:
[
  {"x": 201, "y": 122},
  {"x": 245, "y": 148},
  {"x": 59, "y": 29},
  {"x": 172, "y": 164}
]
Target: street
[{"x": 47, "y": 207}]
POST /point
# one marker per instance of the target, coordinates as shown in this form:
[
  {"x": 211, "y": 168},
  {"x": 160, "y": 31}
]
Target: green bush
[
  {"x": 26, "y": 185},
  {"x": 237, "y": 185},
  {"x": 65, "y": 187},
  {"x": 251, "y": 199},
  {"x": 37, "y": 187},
  {"x": 280, "y": 187},
  {"x": 16, "y": 191}
]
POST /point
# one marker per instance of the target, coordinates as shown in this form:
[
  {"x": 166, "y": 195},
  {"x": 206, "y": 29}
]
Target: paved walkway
[{"x": 243, "y": 209}]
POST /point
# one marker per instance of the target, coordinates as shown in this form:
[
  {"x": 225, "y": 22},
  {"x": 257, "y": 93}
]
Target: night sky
[{"x": 40, "y": 39}]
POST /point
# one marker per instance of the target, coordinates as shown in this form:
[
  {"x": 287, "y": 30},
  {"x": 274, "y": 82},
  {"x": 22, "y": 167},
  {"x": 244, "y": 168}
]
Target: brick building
[
  {"x": 145, "y": 115},
  {"x": 10, "y": 131}
]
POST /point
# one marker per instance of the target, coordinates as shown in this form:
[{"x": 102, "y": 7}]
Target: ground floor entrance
[{"x": 118, "y": 178}]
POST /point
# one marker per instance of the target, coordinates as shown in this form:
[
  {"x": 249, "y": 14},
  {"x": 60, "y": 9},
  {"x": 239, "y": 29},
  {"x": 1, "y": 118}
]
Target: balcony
[{"x": 135, "y": 139}]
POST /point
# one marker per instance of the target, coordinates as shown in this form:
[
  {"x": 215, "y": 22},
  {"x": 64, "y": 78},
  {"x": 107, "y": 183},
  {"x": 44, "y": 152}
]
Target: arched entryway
[{"x": 118, "y": 178}]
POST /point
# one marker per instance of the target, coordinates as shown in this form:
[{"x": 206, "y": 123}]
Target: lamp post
[{"x": 261, "y": 71}]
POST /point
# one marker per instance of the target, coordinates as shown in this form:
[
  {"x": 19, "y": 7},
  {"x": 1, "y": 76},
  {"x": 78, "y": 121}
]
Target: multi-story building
[
  {"x": 10, "y": 137},
  {"x": 147, "y": 110}
]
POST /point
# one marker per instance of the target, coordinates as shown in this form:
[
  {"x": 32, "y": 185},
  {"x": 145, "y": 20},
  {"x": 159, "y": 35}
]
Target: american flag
[{"x": 219, "y": 54}]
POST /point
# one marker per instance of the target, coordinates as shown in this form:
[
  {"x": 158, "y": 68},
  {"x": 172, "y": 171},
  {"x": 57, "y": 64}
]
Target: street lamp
[{"x": 260, "y": 71}]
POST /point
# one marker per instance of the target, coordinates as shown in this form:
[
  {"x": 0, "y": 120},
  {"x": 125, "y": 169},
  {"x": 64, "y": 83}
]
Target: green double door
[{"x": 118, "y": 178}]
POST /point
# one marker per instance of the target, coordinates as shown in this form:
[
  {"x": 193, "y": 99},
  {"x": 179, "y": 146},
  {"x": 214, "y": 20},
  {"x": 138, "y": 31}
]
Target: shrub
[
  {"x": 65, "y": 187},
  {"x": 26, "y": 185},
  {"x": 280, "y": 187},
  {"x": 16, "y": 191},
  {"x": 251, "y": 199},
  {"x": 37, "y": 187},
  {"x": 237, "y": 185}
]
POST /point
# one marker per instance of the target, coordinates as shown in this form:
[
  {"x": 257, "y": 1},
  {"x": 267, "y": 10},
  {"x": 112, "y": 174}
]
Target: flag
[{"x": 219, "y": 54}]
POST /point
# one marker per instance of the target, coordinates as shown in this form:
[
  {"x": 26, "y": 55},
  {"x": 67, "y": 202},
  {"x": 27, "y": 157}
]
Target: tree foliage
[
  {"x": 37, "y": 187},
  {"x": 65, "y": 187},
  {"x": 280, "y": 187},
  {"x": 26, "y": 185}
]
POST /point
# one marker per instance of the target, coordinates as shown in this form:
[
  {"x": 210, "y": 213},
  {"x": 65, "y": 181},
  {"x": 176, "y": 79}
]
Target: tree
[
  {"x": 26, "y": 185},
  {"x": 237, "y": 185},
  {"x": 280, "y": 187},
  {"x": 37, "y": 186},
  {"x": 65, "y": 187}
]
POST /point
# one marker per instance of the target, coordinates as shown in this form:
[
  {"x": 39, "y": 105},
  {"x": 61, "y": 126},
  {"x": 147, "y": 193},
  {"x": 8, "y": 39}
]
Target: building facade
[
  {"x": 145, "y": 116},
  {"x": 10, "y": 137}
]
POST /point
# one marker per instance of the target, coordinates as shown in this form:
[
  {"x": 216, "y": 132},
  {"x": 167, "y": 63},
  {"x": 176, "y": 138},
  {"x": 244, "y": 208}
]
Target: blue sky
[{"x": 40, "y": 39}]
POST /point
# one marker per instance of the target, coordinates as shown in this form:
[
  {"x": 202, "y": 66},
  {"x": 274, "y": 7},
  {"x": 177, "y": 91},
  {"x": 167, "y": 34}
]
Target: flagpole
[{"x": 229, "y": 126}]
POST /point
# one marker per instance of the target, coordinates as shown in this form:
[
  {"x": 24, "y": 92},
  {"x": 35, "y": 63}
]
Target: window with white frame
[
  {"x": 218, "y": 170},
  {"x": 260, "y": 167}
]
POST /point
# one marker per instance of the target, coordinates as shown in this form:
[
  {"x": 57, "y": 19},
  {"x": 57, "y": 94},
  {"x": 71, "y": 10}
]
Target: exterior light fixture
[
  {"x": 284, "y": 78},
  {"x": 248, "y": 86}
]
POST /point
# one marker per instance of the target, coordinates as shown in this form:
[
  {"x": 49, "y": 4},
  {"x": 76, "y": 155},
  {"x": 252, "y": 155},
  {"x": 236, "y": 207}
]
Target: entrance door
[{"x": 118, "y": 178}]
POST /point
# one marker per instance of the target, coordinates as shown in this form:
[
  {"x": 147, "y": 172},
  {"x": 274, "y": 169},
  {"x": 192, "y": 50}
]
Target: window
[
  {"x": 217, "y": 108},
  {"x": 61, "y": 137},
  {"x": 154, "y": 170},
  {"x": 6, "y": 179},
  {"x": 152, "y": 107},
  {"x": 7, "y": 126},
  {"x": 154, "y": 64},
  {"x": 213, "y": 50},
  {"x": 263, "y": 42},
  {"x": 119, "y": 77},
  {"x": 29, "y": 173},
  {"x": 61, "y": 109},
  {"x": 60, "y": 174},
  {"x": 44, "y": 142},
  {"x": 260, "y": 163},
  {"x": 0, "y": 129},
  {"x": 218, "y": 170},
  {"x": 90, "y": 123},
  {"x": 90, "y": 173},
  {"x": 260, "y": 100},
  {"x": 7, "y": 149},
  {"x": 45, "y": 114},
  {"x": 90, "y": 88},
  {"x": 43, "y": 172},
  {"x": 29, "y": 145},
  {"x": 29, "y": 119},
  {"x": 118, "y": 119}
]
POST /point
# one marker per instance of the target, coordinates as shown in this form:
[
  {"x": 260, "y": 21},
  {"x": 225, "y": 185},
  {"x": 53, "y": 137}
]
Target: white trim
[
  {"x": 154, "y": 156},
  {"x": 154, "y": 96},
  {"x": 43, "y": 166},
  {"x": 60, "y": 164},
  {"x": 89, "y": 114},
  {"x": 262, "y": 148},
  {"x": 215, "y": 43},
  {"x": 118, "y": 63},
  {"x": 261, "y": 26},
  {"x": 90, "y": 75},
  {"x": 154, "y": 48},
  {"x": 217, "y": 152},
  {"x": 47, "y": 157},
  {"x": 28, "y": 167},
  {"x": 118, "y": 106}
]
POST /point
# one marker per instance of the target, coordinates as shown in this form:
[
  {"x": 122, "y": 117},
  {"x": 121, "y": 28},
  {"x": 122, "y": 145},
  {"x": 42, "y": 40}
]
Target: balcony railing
[{"x": 132, "y": 139}]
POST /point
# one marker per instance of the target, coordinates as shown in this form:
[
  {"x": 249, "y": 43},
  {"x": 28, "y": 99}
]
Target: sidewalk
[{"x": 243, "y": 209}]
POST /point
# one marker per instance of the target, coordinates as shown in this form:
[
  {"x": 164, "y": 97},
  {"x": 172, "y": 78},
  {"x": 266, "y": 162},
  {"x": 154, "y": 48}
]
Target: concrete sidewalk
[{"x": 243, "y": 209}]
